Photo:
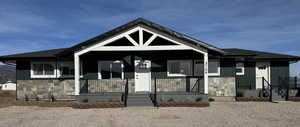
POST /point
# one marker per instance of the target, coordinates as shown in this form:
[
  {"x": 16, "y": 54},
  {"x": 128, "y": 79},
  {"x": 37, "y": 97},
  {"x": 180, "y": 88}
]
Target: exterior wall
[
  {"x": 248, "y": 80},
  {"x": 43, "y": 89},
  {"x": 221, "y": 86},
  {"x": 279, "y": 73}
]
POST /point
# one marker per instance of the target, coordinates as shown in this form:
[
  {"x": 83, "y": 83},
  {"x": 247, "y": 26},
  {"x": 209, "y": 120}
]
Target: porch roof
[
  {"x": 233, "y": 52},
  {"x": 134, "y": 23}
]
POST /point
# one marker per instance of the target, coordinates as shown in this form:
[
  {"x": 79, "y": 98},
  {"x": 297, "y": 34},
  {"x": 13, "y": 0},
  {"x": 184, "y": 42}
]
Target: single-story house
[
  {"x": 142, "y": 57},
  {"x": 8, "y": 86}
]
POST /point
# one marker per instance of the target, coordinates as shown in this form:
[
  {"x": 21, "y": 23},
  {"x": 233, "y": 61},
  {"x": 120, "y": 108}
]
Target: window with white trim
[
  {"x": 110, "y": 70},
  {"x": 198, "y": 68},
  {"x": 179, "y": 67},
  {"x": 43, "y": 70},
  {"x": 213, "y": 67},
  {"x": 66, "y": 69},
  {"x": 240, "y": 69}
]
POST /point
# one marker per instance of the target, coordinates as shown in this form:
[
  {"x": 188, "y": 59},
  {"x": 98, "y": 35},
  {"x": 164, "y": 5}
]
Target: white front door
[
  {"x": 262, "y": 70},
  {"x": 142, "y": 75}
]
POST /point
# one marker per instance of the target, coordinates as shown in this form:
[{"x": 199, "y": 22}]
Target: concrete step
[{"x": 139, "y": 100}]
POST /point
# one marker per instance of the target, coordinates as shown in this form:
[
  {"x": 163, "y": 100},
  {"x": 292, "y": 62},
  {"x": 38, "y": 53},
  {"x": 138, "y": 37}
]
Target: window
[
  {"x": 110, "y": 70},
  {"x": 179, "y": 67},
  {"x": 240, "y": 69},
  {"x": 213, "y": 67},
  {"x": 43, "y": 70},
  {"x": 198, "y": 68},
  {"x": 66, "y": 69}
]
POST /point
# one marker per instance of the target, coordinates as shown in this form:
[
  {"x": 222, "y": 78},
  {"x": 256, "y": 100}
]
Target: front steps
[{"x": 139, "y": 99}]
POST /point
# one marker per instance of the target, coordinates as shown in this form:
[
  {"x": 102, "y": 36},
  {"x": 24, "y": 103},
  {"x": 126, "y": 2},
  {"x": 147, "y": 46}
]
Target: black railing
[
  {"x": 102, "y": 86},
  {"x": 197, "y": 85},
  {"x": 155, "y": 94},
  {"x": 265, "y": 86},
  {"x": 126, "y": 93}
]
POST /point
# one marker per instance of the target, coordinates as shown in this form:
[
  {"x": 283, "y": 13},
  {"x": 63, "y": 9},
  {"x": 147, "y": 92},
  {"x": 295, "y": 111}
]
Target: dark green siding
[
  {"x": 279, "y": 71},
  {"x": 227, "y": 68},
  {"x": 248, "y": 80},
  {"x": 23, "y": 70}
]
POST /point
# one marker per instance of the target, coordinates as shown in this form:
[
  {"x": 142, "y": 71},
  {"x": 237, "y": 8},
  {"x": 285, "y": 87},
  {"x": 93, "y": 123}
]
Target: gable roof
[
  {"x": 38, "y": 54},
  {"x": 258, "y": 54},
  {"x": 134, "y": 23}
]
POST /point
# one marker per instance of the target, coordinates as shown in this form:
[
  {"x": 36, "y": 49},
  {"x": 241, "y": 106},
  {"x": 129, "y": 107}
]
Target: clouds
[{"x": 257, "y": 24}]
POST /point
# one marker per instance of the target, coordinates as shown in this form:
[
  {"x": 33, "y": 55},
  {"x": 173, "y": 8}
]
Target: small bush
[
  {"x": 85, "y": 100},
  {"x": 37, "y": 98},
  {"x": 52, "y": 98},
  {"x": 211, "y": 99},
  {"x": 198, "y": 99},
  {"x": 240, "y": 94},
  {"x": 171, "y": 100},
  {"x": 26, "y": 98}
]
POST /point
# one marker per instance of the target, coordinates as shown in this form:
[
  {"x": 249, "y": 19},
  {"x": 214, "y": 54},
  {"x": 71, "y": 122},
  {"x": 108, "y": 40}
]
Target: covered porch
[{"x": 146, "y": 60}]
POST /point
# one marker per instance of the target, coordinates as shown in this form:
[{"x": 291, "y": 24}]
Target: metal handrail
[
  {"x": 269, "y": 86},
  {"x": 197, "y": 83},
  {"x": 126, "y": 93}
]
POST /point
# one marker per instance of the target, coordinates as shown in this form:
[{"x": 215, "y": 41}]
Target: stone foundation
[
  {"x": 44, "y": 89},
  {"x": 221, "y": 86}
]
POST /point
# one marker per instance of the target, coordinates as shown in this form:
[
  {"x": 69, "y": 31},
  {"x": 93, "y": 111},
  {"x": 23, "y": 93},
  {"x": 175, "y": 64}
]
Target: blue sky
[{"x": 267, "y": 25}]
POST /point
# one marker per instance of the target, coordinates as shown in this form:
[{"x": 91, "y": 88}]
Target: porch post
[
  {"x": 206, "y": 73},
  {"x": 77, "y": 73}
]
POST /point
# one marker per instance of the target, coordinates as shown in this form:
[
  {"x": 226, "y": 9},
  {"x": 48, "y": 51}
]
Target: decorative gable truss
[{"x": 139, "y": 39}]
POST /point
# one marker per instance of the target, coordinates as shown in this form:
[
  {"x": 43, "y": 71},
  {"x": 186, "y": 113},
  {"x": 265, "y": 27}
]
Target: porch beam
[
  {"x": 205, "y": 73},
  {"x": 150, "y": 39},
  {"x": 141, "y": 40},
  {"x": 77, "y": 73},
  {"x": 142, "y": 48},
  {"x": 131, "y": 40}
]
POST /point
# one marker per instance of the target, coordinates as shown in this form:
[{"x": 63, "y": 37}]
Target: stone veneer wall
[
  {"x": 43, "y": 89},
  {"x": 221, "y": 86}
]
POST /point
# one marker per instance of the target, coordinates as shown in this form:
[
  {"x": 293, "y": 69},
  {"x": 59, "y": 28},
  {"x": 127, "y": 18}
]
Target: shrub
[
  {"x": 198, "y": 99},
  {"x": 85, "y": 100},
  {"x": 26, "y": 98},
  {"x": 171, "y": 100},
  {"x": 211, "y": 99}
]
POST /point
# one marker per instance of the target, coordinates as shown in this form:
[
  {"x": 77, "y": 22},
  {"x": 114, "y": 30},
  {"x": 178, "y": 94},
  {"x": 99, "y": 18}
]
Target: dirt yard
[{"x": 219, "y": 114}]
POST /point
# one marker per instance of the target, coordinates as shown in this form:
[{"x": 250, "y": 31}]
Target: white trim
[
  {"x": 141, "y": 48},
  {"x": 242, "y": 68},
  {"x": 150, "y": 78},
  {"x": 116, "y": 61},
  {"x": 150, "y": 40},
  {"x": 77, "y": 74},
  {"x": 206, "y": 73},
  {"x": 218, "y": 68},
  {"x": 32, "y": 75},
  {"x": 179, "y": 75},
  {"x": 131, "y": 40},
  {"x": 268, "y": 69},
  {"x": 110, "y": 40},
  {"x": 141, "y": 38}
]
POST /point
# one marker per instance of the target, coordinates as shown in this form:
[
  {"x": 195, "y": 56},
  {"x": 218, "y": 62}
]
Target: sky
[{"x": 265, "y": 25}]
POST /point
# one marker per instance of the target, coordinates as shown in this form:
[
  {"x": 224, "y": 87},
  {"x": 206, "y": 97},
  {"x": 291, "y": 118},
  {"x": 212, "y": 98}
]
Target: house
[
  {"x": 8, "y": 86},
  {"x": 142, "y": 57}
]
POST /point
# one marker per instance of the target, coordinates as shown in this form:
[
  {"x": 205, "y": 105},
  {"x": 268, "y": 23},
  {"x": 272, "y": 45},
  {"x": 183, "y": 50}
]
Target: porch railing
[
  {"x": 102, "y": 86},
  {"x": 192, "y": 85}
]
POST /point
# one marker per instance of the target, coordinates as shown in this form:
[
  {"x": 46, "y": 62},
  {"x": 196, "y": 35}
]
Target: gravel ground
[{"x": 219, "y": 114}]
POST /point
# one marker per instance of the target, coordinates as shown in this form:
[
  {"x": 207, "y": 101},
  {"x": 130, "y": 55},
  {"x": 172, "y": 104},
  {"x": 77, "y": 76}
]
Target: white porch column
[
  {"x": 206, "y": 73},
  {"x": 77, "y": 73}
]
